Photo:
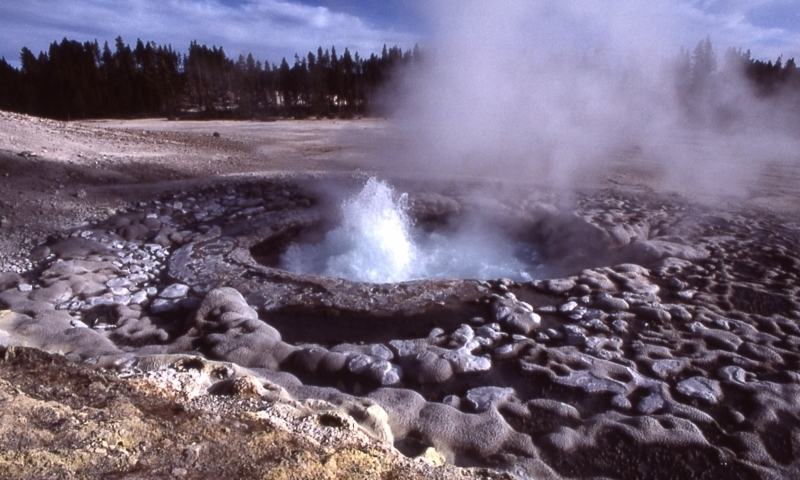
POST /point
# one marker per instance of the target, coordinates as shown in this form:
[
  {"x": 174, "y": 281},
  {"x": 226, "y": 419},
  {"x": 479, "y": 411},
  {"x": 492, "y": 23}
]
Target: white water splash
[{"x": 377, "y": 243}]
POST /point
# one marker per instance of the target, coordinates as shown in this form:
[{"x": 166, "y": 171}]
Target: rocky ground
[
  {"x": 64, "y": 420},
  {"x": 660, "y": 342}
]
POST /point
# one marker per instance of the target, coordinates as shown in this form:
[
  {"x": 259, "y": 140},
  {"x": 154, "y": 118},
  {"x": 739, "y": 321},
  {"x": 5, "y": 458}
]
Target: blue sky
[{"x": 272, "y": 29}]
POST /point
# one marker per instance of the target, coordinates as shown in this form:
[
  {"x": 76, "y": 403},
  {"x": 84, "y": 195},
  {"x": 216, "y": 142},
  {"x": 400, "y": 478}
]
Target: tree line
[
  {"x": 723, "y": 91},
  {"x": 83, "y": 80}
]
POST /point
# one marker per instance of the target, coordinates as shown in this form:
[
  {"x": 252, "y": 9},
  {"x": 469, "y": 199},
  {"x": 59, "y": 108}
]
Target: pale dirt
[
  {"x": 83, "y": 170},
  {"x": 56, "y": 175},
  {"x": 66, "y": 421},
  {"x": 60, "y": 420}
]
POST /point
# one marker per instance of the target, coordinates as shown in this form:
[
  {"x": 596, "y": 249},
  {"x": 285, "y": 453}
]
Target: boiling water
[{"x": 377, "y": 243}]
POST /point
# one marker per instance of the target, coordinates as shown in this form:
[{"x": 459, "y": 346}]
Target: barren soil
[
  {"x": 62, "y": 420},
  {"x": 662, "y": 342},
  {"x": 56, "y": 175}
]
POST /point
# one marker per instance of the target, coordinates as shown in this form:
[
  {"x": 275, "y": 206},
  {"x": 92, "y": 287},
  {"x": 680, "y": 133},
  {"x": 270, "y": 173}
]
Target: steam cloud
[{"x": 558, "y": 92}]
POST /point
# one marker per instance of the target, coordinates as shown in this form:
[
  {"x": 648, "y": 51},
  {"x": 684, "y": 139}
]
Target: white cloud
[
  {"x": 268, "y": 28},
  {"x": 272, "y": 29}
]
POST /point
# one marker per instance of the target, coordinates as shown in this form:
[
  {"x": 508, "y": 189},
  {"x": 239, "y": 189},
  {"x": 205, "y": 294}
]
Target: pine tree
[
  {"x": 74, "y": 79},
  {"x": 704, "y": 63}
]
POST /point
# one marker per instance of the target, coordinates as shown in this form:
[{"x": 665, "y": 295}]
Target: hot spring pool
[{"x": 377, "y": 241}]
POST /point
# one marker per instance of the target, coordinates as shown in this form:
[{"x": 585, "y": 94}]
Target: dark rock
[
  {"x": 174, "y": 291},
  {"x": 483, "y": 398},
  {"x": 517, "y": 316},
  {"x": 653, "y": 314},
  {"x": 560, "y": 286},
  {"x": 427, "y": 367},
  {"x": 606, "y": 302},
  {"x": 9, "y": 280},
  {"x": 701, "y": 388}
]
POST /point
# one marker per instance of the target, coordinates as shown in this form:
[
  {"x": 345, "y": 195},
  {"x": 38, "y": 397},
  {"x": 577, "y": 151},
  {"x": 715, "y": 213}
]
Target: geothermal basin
[{"x": 501, "y": 326}]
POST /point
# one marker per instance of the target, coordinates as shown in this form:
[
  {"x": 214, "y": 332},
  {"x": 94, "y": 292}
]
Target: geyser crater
[{"x": 379, "y": 241}]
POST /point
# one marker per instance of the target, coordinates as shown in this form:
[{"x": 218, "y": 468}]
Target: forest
[{"x": 74, "y": 80}]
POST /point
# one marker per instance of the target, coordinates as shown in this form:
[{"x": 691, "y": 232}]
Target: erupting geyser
[
  {"x": 377, "y": 242},
  {"x": 373, "y": 244}
]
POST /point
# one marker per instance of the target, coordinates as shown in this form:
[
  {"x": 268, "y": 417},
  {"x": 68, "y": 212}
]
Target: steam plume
[{"x": 560, "y": 92}]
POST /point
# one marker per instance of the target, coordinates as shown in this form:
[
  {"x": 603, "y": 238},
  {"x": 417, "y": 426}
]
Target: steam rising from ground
[
  {"x": 557, "y": 92},
  {"x": 377, "y": 242}
]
